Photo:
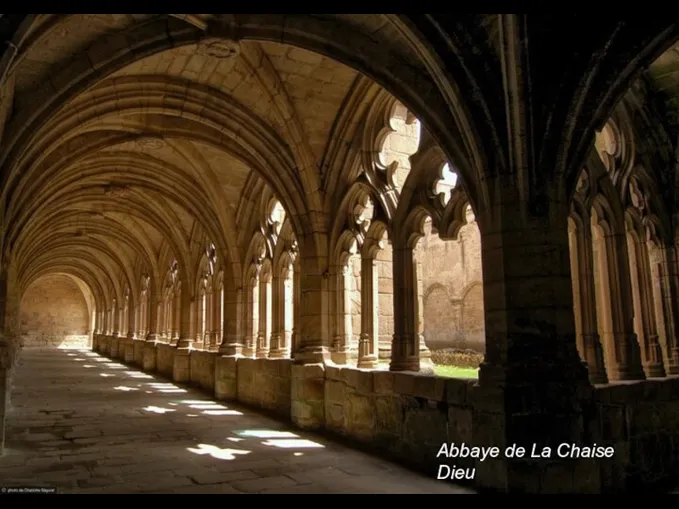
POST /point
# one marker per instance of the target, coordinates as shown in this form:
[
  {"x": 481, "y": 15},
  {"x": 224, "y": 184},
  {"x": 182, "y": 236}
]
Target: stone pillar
[
  {"x": 117, "y": 332},
  {"x": 341, "y": 350},
  {"x": 584, "y": 301},
  {"x": 231, "y": 349},
  {"x": 308, "y": 372},
  {"x": 282, "y": 302},
  {"x": 4, "y": 399},
  {"x": 408, "y": 342},
  {"x": 181, "y": 371},
  {"x": 264, "y": 328},
  {"x": 532, "y": 383},
  {"x": 644, "y": 311},
  {"x": 296, "y": 305},
  {"x": 666, "y": 288},
  {"x": 232, "y": 323},
  {"x": 176, "y": 316},
  {"x": 252, "y": 314},
  {"x": 615, "y": 306},
  {"x": 277, "y": 301},
  {"x": 368, "y": 341},
  {"x": 152, "y": 337}
]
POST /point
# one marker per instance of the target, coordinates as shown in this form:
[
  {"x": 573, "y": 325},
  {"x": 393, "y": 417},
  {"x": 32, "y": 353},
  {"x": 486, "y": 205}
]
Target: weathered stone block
[
  {"x": 139, "y": 353},
  {"x": 181, "y": 368},
  {"x": 149, "y": 360},
  {"x": 383, "y": 382},
  {"x": 307, "y": 413},
  {"x": 226, "y": 384}
]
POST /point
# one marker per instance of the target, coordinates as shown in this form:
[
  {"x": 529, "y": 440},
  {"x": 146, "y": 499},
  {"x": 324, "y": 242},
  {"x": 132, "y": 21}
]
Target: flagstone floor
[{"x": 82, "y": 423}]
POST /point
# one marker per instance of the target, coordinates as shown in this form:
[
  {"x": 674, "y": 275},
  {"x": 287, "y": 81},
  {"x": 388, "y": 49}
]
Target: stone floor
[{"x": 81, "y": 423}]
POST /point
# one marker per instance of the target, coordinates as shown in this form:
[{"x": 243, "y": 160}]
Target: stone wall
[
  {"x": 165, "y": 359},
  {"x": 54, "y": 313},
  {"x": 641, "y": 420},
  {"x": 265, "y": 383},
  {"x": 408, "y": 416},
  {"x": 202, "y": 372},
  {"x": 405, "y": 415},
  {"x": 453, "y": 289}
]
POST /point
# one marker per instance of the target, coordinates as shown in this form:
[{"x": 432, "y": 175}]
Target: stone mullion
[
  {"x": 368, "y": 341},
  {"x": 264, "y": 318},
  {"x": 277, "y": 316}
]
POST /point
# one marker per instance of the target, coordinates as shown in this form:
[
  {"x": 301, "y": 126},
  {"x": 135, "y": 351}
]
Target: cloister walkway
[{"x": 84, "y": 424}]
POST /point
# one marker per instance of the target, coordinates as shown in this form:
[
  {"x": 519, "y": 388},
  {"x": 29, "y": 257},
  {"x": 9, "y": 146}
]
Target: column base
[
  {"x": 621, "y": 374},
  {"x": 410, "y": 363},
  {"x": 312, "y": 355},
  {"x": 535, "y": 402},
  {"x": 280, "y": 353},
  {"x": 342, "y": 357},
  {"x": 152, "y": 338},
  {"x": 262, "y": 354},
  {"x": 231, "y": 350},
  {"x": 368, "y": 362},
  {"x": 654, "y": 370}
]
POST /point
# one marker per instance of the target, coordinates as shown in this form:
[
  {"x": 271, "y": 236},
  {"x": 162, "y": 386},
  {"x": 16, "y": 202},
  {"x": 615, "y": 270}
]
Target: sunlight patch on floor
[
  {"x": 158, "y": 410},
  {"x": 265, "y": 433},
  {"x": 294, "y": 443},
  {"x": 221, "y": 412},
  {"x": 217, "y": 452}
]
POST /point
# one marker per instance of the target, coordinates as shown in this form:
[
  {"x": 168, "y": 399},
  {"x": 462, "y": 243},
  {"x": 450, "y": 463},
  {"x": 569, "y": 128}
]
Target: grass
[
  {"x": 447, "y": 371},
  {"x": 455, "y": 372}
]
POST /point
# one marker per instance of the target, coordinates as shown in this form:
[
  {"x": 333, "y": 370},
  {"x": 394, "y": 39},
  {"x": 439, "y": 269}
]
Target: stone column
[
  {"x": 232, "y": 322},
  {"x": 277, "y": 315},
  {"x": 185, "y": 339},
  {"x": 667, "y": 305},
  {"x": 370, "y": 318},
  {"x": 312, "y": 352},
  {"x": 181, "y": 371},
  {"x": 10, "y": 344},
  {"x": 584, "y": 301},
  {"x": 149, "y": 361},
  {"x": 252, "y": 315},
  {"x": 532, "y": 383},
  {"x": 644, "y": 312},
  {"x": 314, "y": 330},
  {"x": 231, "y": 348},
  {"x": 152, "y": 324},
  {"x": 296, "y": 305},
  {"x": 408, "y": 342},
  {"x": 176, "y": 316},
  {"x": 161, "y": 330},
  {"x": 4, "y": 397},
  {"x": 341, "y": 351},
  {"x": 264, "y": 328},
  {"x": 114, "y": 348},
  {"x": 615, "y": 306}
]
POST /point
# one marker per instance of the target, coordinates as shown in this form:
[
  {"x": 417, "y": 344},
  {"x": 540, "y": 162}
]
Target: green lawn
[
  {"x": 455, "y": 372},
  {"x": 447, "y": 371}
]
